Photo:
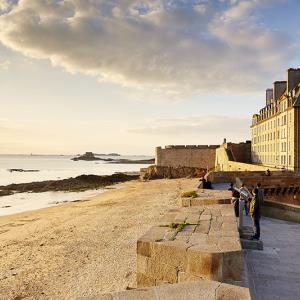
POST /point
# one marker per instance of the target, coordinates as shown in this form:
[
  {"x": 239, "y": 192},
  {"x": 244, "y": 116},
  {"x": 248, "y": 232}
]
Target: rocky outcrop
[
  {"x": 131, "y": 161},
  {"x": 89, "y": 156},
  {"x": 5, "y": 193},
  {"x": 160, "y": 172},
  {"x": 21, "y": 170},
  {"x": 79, "y": 183}
]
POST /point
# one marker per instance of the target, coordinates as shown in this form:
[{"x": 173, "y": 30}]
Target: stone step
[{"x": 252, "y": 244}]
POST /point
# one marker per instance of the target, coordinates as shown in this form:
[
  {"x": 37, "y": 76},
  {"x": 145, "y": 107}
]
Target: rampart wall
[
  {"x": 281, "y": 190},
  {"x": 236, "y": 157},
  {"x": 201, "y": 156}
]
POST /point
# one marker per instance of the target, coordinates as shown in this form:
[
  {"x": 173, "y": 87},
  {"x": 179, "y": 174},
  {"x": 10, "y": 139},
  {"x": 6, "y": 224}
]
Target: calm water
[
  {"x": 58, "y": 167},
  {"x": 52, "y": 167}
]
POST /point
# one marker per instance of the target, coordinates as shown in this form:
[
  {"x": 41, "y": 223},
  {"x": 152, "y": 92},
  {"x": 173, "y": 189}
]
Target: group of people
[{"x": 250, "y": 202}]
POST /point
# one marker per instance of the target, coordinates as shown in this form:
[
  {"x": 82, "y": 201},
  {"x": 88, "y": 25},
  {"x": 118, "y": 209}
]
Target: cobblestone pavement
[{"x": 274, "y": 273}]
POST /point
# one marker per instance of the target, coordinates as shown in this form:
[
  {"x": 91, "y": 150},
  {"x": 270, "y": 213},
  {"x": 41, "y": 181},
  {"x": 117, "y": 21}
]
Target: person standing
[
  {"x": 260, "y": 194},
  {"x": 235, "y": 195},
  {"x": 255, "y": 214},
  {"x": 245, "y": 197}
]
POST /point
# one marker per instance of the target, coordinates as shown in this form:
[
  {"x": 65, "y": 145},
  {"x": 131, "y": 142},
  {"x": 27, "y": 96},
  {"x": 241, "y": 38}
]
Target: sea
[{"x": 53, "y": 167}]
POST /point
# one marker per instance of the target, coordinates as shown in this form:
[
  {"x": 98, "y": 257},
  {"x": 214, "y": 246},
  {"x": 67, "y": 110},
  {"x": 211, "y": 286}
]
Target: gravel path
[{"x": 85, "y": 248}]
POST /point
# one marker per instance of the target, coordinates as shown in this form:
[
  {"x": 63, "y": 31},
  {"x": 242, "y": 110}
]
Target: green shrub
[
  {"x": 190, "y": 194},
  {"x": 178, "y": 226}
]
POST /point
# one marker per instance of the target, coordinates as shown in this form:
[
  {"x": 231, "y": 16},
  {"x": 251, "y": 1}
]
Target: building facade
[{"x": 276, "y": 129}]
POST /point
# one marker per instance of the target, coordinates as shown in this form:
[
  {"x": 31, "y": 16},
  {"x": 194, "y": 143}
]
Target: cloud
[
  {"x": 204, "y": 126},
  {"x": 4, "y": 64},
  {"x": 6, "y": 5},
  {"x": 172, "y": 48}
]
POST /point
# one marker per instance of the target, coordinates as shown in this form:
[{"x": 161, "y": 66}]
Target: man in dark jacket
[
  {"x": 260, "y": 194},
  {"x": 255, "y": 214},
  {"x": 235, "y": 195}
]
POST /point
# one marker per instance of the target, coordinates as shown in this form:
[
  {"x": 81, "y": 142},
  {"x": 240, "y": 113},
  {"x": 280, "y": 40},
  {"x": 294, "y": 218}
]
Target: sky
[{"x": 129, "y": 75}]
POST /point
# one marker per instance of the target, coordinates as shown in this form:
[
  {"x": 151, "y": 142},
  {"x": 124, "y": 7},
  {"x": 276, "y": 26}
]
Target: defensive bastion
[{"x": 201, "y": 156}]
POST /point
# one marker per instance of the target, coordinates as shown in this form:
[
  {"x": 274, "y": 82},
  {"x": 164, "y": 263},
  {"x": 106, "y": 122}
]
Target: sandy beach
[{"x": 85, "y": 248}]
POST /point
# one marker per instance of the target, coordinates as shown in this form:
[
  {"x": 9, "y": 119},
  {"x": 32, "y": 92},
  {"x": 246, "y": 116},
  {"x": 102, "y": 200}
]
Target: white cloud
[
  {"x": 206, "y": 127},
  {"x": 4, "y": 64},
  {"x": 163, "y": 46}
]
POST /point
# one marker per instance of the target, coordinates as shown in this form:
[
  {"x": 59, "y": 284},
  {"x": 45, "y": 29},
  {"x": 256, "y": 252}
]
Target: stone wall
[
  {"x": 241, "y": 152},
  {"x": 204, "y": 197},
  {"x": 281, "y": 211},
  {"x": 190, "y": 244},
  {"x": 236, "y": 157},
  {"x": 280, "y": 187},
  {"x": 160, "y": 172},
  {"x": 253, "y": 177},
  {"x": 201, "y": 156}
]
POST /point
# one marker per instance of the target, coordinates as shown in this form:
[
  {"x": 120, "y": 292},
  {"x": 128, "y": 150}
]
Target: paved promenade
[{"x": 275, "y": 272}]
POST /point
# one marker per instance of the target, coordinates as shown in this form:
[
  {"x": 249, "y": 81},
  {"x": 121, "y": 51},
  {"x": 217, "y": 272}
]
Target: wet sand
[{"x": 84, "y": 248}]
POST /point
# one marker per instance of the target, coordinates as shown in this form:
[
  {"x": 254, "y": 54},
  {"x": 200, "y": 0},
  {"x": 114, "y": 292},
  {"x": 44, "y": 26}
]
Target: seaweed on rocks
[{"x": 76, "y": 184}]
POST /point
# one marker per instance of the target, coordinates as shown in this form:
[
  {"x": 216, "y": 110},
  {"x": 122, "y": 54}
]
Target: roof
[{"x": 297, "y": 101}]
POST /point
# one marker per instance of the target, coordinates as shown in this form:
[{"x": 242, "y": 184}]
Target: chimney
[
  {"x": 293, "y": 78},
  {"x": 279, "y": 88},
  {"x": 269, "y": 96}
]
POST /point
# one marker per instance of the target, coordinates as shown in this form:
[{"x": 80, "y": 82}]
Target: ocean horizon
[{"x": 53, "y": 167}]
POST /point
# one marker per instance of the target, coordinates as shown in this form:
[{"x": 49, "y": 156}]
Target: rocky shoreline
[{"x": 76, "y": 184}]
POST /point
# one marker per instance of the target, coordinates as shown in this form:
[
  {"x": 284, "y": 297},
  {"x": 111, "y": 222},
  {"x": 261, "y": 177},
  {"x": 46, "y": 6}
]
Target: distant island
[
  {"x": 90, "y": 156},
  {"x": 109, "y": 154}
]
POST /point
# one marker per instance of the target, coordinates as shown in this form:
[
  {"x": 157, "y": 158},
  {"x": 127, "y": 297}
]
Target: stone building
[{"x": 276, "y": 129}]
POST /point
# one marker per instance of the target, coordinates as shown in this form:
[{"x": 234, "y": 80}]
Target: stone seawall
[
  {"x": 159, "y": 172},
  {"x": 201, "y": 156}
]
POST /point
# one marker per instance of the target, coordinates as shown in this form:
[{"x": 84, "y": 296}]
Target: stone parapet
[
  {"x": 208, "y": 290},
  {"x": 253, "y": 177},
  {"x": 281, "y": 186},
  {"x": 190, "y": 147},
  {"x": 190, "y": 244},
  {"x": 207, "y": 197},
  {"x": 199, "y": 156},
  {"x": 281, "y": 211}
]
